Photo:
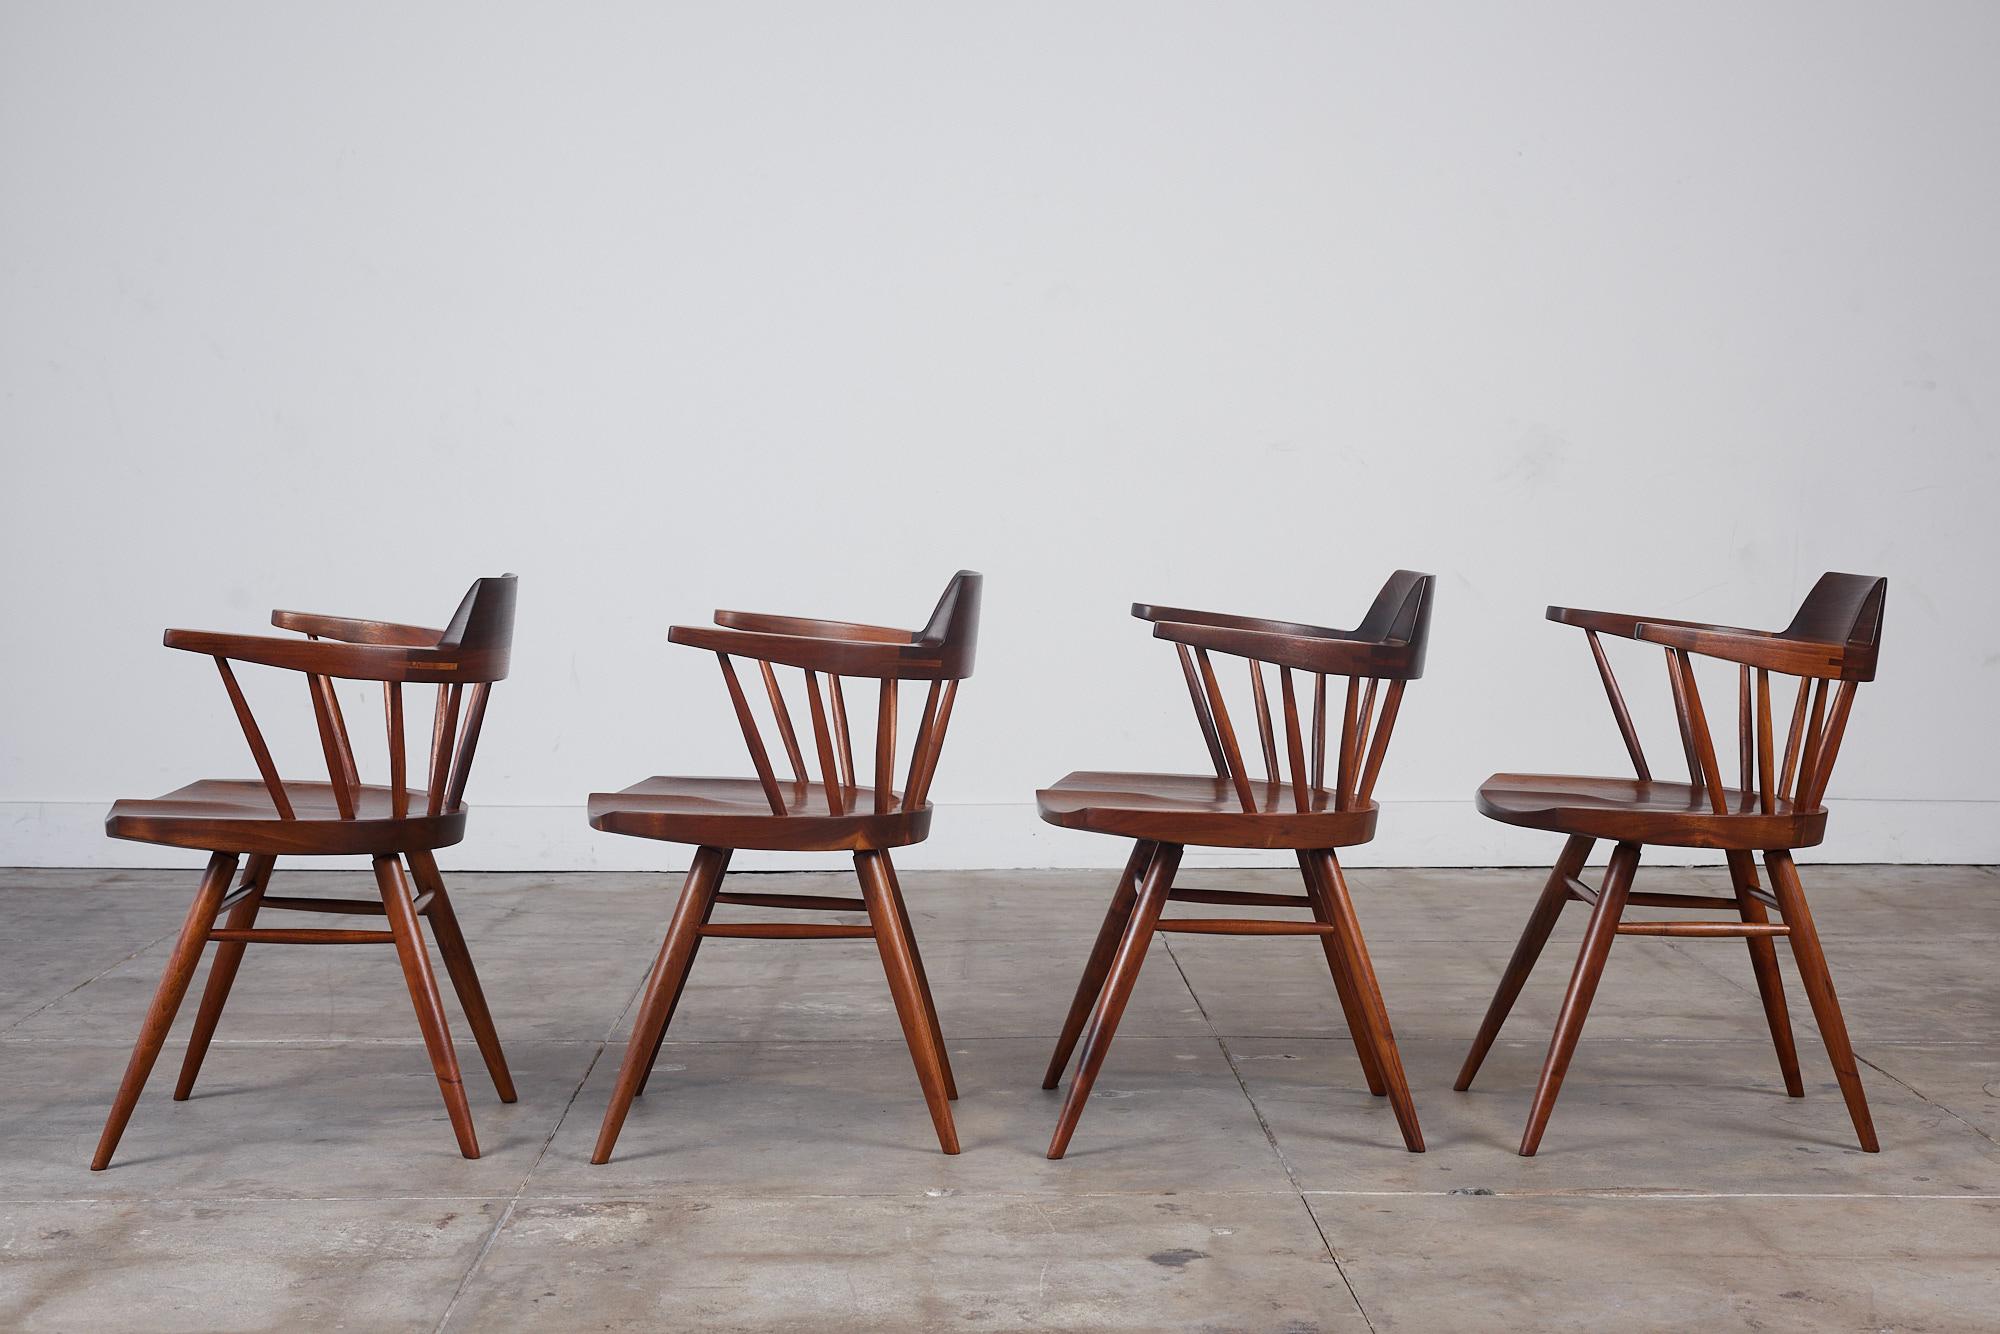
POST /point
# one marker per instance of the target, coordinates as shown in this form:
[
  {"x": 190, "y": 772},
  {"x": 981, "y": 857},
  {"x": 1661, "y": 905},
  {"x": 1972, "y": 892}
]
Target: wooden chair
[
  {"x": 1774, "y": 808},
  {"x": 274, "y": 817},
  {"x": 720, "y": 815},
  {"x": 1162, "y": 813}
]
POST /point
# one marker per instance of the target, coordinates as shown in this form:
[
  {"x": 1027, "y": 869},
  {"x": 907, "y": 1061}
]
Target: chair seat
[
  {"x": 1200, "y": 809},
  {"x": 735, "y": 813},
  {"x": 237, "y": 815},
  {"x": 1632, "y": 810}
]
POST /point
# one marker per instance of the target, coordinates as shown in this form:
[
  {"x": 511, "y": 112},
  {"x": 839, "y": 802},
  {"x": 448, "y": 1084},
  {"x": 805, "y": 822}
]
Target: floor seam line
[
  {"x": 87, "y": 981},
  {"x": 1927, "y": 1101},
  {"x": 1614, "y": 1193},
  {"x": 1270, "y": 1138},
  {"x": 493, "y": 1235}
]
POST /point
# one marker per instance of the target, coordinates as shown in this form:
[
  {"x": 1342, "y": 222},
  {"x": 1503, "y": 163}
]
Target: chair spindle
[
  {"x": 399, "y": 760},
  {"x": 1264, "y": 734},
  {"x": 1201, "y": 714},
  {"x": 259, "y": 752},
  {"x": 1319, "y": 732},
  {"x": 1232, "y": 753},
  {"x": 836, "y": 794},
  {"x": 1350, "y": 720},
  {"x": 783, "y": 716},
  {"x": 751, "y": 737},
  {"x": 1697, "y": 725},
  {"x": 840, "y": 731},
  {"x": 1809, "y": 757},
  {"x": 1766, "y": 790},
  {"x": 468, "y": 742},
  {"x": 444, "y": 731},
  {"x": 1392, "y": 703},
  {"x": 1618, "y": 709},
  {"x": 1295, "y": 749},
  {"x": 330, "y": 743},
  {"x": 885, "y": 746},
  {"x": 1745, "y": 772}
]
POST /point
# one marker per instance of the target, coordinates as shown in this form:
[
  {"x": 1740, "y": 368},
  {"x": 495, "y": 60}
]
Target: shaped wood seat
[
  {"x": 736, "y": 813},
  {"x": 396, "y": 825},
  {"x": 1310, "y": 802},
  {"x": 1637, "y": 810},
  {"x": 240, "y": 815},
  {"x": 836, "y": 812},
  {"x": 1775, "y": 806},
  {"x": 1203, "y": 809}
]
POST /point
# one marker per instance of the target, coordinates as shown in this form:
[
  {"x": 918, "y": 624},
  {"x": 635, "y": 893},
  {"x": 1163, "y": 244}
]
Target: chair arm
[
  {"x": 1794, "y": 657},
  {"x": 352, "y": 662},
  {"x": 1627, "y": 627},
  {"x": 839, "y": 657},
  {"x": 1147, "y": 611},
  {"x": 1334, "y": 657},
  {"x": 811, "y": 629},
  {"x": 354, "y": 631}
]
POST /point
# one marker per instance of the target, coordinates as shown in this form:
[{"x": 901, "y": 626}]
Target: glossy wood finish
[
  {"x": 796, "y": 812},
  {"x": 241, "y": 815},
  {"x": 814, "y": 819},
  {"x": 1667, "y": 813},
  {"x": 1194, "y": 808},
  {"x": 396, "y": 826},
  {"x": 1773, "y": 807},
  {"x": 1292, "y": 805}
]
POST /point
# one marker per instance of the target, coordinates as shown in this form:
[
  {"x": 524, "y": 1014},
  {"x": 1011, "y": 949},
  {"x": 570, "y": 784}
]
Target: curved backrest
[
  {"x": 954, "y": 625},
  {"x": 1388, "y": 645},
  {"x": 1844, "y": 609},
  {"x": 484, "y": 620},
  {"x": 1401, "y": 613}
]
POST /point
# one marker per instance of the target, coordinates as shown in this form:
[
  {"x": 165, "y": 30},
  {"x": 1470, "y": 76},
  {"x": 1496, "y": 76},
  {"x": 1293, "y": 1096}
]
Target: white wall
[{"x": 802, "y": 307}]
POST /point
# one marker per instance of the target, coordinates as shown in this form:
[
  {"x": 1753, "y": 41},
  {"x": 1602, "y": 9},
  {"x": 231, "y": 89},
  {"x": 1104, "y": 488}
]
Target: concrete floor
[{"x": 1232, "y": 1171}]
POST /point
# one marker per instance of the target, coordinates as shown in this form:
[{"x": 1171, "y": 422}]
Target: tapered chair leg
[
  {"x": 1099, "y": 965},
  {"x": 1354, "y": 951},
  {"x": 923, "y": 979},
  {"x": 173, "y": 987},
  {"x": 1764, "y": 964},
  {"x": 1118, "y": 983},
  {"x": 894, "y": 945},
  {"x": 680, "y": 987},
  {"x": 1811, "y": 959},
  {"x": 1351, "y": 1006},
  {"x": 422, "y": 982},
  {"x": 464, "y": 978},
  {"x": 1542, "y": 921},
  {"x": 663, "y": 987},
  {"x": 1597, "y": 938},
  {"x": 222, "y": 973}
]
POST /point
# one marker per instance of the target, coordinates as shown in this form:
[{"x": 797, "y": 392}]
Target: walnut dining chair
[
  {"x": 395, "y": 826},
  {"x": 1774, "y": 808},
  {"x": 1164, "y": 813},
  {"x": 837, "y": 813}
]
